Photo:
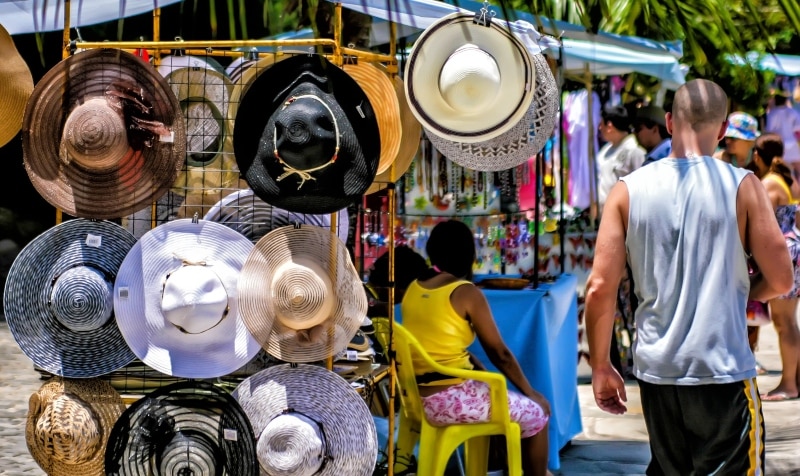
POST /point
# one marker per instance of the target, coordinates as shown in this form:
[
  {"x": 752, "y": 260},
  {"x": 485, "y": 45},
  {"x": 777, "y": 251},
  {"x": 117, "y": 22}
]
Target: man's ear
[
  {"x": 668, "y": 118},
  {"x": 722, "y": 130}
]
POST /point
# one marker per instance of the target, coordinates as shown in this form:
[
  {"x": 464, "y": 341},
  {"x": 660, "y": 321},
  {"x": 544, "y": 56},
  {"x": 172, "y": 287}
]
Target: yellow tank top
[
  {"x": 429, "y": 316},
  {"x": 779, "y": 180}
]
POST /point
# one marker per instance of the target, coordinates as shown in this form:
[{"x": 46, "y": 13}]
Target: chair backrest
[{"x": 406, "y": 346}]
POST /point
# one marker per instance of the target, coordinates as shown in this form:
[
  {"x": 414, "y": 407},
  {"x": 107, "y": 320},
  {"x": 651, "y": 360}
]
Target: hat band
[{"x": 305, "y": 174}]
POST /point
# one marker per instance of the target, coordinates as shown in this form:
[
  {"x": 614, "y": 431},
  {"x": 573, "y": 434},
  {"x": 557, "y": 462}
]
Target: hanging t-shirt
[
  {"x": 614, "y": 163},
  {"x": 785, "y": 121}
]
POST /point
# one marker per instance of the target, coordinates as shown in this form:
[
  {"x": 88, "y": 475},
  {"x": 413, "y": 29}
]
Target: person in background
[
  {"x": 784, "y": 120},
  {"x": 444, "y": 310},
  {"x": 620, "y": 155},
  {"x": 739, "y": 139},
  {"x": 408, "y": 265},
  {"x": 782, "y": 189},
  {"x": 650, "y": 127},
  {"x": 685, "y": 225}
]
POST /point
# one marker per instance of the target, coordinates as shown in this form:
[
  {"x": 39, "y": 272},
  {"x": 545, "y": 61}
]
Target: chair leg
[
  {"x": 514, "y": 453},
  {"x": 476, "y": 456}
]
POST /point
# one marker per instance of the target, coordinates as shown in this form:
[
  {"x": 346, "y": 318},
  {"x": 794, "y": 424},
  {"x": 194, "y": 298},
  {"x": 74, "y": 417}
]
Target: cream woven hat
[
  {"x": 468, "y": 82},
  {"x": 16, "y": 85},
  {"x": 176, "y": 299},
  {"x": 68, "y": 425},
  {"x": 308, "y": 421},
  {"x": 524, "y": 140},
  {"x": 205, "y": 95},
  {"x": 300, "y": 295}
]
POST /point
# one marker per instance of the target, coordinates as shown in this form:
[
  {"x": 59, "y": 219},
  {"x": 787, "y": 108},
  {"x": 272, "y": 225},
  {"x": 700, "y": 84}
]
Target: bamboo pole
[
  {"x": 182, "y": 45},
  {"x": 332, "y": 262},
  {"x": 65, "y": 52},
  {"x": 156, "y": 62},
  {"x": 594, "y": 199},
  {"x": 392, "y": 197}
]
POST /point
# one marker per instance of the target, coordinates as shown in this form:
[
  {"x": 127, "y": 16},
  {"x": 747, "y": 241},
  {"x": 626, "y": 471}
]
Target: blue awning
[{"x": 784, "y": 65}]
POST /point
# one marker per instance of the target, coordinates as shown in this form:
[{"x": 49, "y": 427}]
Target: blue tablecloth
[{"x": 540, "y": 326}]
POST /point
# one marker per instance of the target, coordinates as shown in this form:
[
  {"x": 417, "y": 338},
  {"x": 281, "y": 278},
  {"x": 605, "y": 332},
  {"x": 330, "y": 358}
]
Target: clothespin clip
[
  {"x": 484, "y": 15},
  {"x": 178, "y": 51}
]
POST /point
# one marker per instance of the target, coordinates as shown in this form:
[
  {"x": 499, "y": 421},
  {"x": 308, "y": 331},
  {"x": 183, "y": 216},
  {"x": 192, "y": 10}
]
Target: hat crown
[
  {"x": 302, "y": 294},
  {"x": 94, "y": 135},
  {"x": 305, "y": 131},
  {"x": 194, "y": 298},
  {"x": 190, "y": 453},
  {"x": 469, "y": 80},
  {"x": 291, "y": 444},
  {"x": 67, "y": 430},
  {"x": 82, "y": 299}
]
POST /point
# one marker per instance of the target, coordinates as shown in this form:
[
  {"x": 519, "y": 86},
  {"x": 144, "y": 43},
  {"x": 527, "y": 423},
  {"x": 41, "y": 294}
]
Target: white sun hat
[
  {"x": 176, "y": 299},
  {"x": 469, "y": 82}
]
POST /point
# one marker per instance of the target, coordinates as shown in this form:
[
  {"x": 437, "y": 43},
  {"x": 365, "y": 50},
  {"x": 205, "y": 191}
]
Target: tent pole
[{"x": 593, "y": 207}]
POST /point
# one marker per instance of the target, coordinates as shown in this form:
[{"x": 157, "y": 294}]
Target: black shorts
[{"x": 704, "y": 429}]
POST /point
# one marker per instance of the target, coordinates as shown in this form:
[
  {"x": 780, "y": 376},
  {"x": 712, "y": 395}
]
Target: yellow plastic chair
[{"x": 437, "y": 443}]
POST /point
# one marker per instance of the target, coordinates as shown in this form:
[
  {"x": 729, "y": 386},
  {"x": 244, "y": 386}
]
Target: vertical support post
[
  {"x": 157, "y": 34},
  {"x": 64, "y": 55},
  {"x": 594, "y": 206},
  {"x": 332, "y": 258},
  {"x": 337, "y": 34},
  {"x": 392, "y": 197}
]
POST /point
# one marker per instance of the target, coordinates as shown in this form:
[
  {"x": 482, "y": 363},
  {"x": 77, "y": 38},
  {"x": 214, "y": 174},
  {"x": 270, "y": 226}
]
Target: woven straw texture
[
  {"x": 301, "y": 277},
  {"x": 305, "y": 416},
  {"x": 521, "y": 142},
  {"x": 16, "y": 85},
  {"x": 244, "y": 212},
  {"x": 85, "y": 163},
  {"x": 68, "y": 425},
  {"x": 187, "y": 428},
  {"x": 57, "y": 298},
  {"x": 189, "y": 345}
]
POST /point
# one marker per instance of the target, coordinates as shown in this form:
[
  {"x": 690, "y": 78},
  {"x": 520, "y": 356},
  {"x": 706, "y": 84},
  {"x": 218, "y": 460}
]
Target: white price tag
[
  {"x": 94, "y": 241},
  {"x": 122, "y": 292},
  {"x": 169, "y": 138},
  {"x": 230, "y": 434},
  {"x": 352, "y": 355}
]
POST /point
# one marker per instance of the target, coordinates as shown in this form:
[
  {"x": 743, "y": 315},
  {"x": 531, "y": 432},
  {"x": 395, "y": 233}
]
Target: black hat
[
  {"x": 305, "y": 137},
  {"x": 651, "y": 113}
]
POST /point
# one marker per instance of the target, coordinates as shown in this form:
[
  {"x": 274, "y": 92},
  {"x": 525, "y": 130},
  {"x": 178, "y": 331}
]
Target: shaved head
[{"x": 700, "y": 103}]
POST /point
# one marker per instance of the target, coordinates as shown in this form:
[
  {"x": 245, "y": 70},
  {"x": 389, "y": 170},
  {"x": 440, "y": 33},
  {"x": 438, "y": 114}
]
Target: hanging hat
[
  {"x": 380, "y": 90},
  {"x": 308, "y": 421},
  {"x": 300, "y": 295},
  {"x": 186, "y": 428},
  {"x": 204, "y": 94},
  {"x": 68, "y": 425},
  {"x": 176, "y": 299},
  {"x": 103, "y": 134},
  {"x": 468, "y": 82},
  {"x": 58, "y": 298},
  {"x": 409, "y": 142},
  {"x": 16, "y": 85},
  {"x": 306, "y": 138},
  {"x": 515, "y": 146},
  {"x": 244, "y": 212}
]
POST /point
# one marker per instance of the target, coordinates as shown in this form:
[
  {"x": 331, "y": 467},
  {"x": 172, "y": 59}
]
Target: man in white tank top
[{"x": 685, "y": 225}]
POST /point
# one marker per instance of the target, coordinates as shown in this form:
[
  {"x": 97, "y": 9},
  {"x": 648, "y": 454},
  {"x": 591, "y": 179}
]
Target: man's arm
[
  {"x": 601, "y": 299},
  {"x": 763, "y": 239}
]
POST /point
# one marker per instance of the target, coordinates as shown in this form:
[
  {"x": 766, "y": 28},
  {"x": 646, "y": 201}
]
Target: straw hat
[
  {"x": 409, "y": 142},
  {"x": 308, "y": 421},
  {"x": 524, "y": 140},
  {"x": 244, "y": 212},
  {"x": 306, "y": 138},
  {"x": 467, "y": 82},
  {"x": 103, "y": 134},
  {"x": 58, "y": 298},
  {"x": 380, "y": 91},
  {"x": 176, "y": 299},
  {"x": 300, "y": 295},
  {"x": 204, "y": 95},
  {"x": 186, "y": 428},
  {"x": 68, "y": 424},
  {"x": 16, "y": 84}
]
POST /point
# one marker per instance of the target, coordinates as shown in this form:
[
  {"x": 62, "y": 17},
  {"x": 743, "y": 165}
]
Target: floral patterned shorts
[{"x": 469, "y": 402}]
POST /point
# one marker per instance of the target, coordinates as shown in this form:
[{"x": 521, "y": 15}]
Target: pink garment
[{"x": 469, "y": 402}]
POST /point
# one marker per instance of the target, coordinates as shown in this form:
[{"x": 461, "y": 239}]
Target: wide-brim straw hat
[
  {"x": 300, "y": 295},
  {"x": 205, "y": 96},
  {"x": 103, "y": 134},
  {"x": 409, "y": 142},
  {"x": 244, "y": 212},
  {"x": 68, "y": 425},
  {"x": 468, "y": 82},
  {"x": 16, "y": 85},
  {"x": 306, "y": 137},
  {"x": 176, "y": 299},
  {"x": 189, "y": 427},
  {"x": 308, "y": 420},
  {"x": 518, "y": 144},
  {"x": 58, "y": 298}
]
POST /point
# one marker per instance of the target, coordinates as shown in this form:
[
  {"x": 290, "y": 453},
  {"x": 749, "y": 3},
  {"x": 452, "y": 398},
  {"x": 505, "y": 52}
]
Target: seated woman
[{"x": 444, "y": 310}]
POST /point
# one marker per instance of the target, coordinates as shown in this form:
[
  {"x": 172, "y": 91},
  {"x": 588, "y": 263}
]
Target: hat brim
[
  {"x": 322, "y": 396},
  {"x": 430, "y": 52},
  {"x": 515, "y": 146},
  {"x": 138, "y": 292},
  {"x": 49, "y": 344},
  {"x": 16, "y": 86},
  {"x": 110, "y": 192}
]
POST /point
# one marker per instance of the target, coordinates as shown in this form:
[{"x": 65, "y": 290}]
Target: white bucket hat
[
  {"x": 176, "y": 299},
  {"x": 468, "y": 82},
  {"x": 308, "y": 421}
]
